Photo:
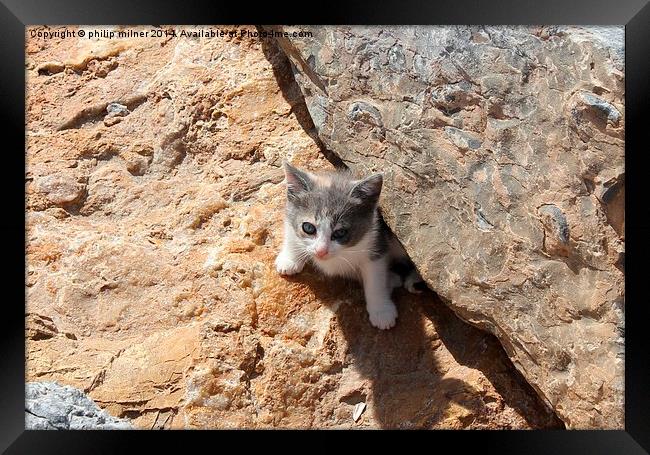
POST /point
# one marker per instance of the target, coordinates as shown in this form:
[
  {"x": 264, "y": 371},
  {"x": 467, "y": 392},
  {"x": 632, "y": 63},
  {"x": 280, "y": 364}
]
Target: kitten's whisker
[
  {"x": 349, "y": 263},
  {"x": 303, "y": 256},
  {"x": 299, "y": 253},
  {"x": 299, "y": 250}
]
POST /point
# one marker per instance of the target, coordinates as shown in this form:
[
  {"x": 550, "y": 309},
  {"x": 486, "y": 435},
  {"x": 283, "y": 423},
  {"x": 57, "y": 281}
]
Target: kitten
[{"x": 333, "y": 221}]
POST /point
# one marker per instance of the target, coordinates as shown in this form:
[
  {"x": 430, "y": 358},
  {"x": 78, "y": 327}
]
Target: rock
[
  {"x": 502, "y": 150},
  {"x": 50, "y": 68},
  {"x": 358, "y": 410},
  {"x": 61, "y": 189},
  {"x": 110, "y": 121},
  {"x": 462, "y": 139},
  {"x": 117, "y": 109},
  {"x": 51, "y": 406},
  {"x": 115, "y": 112},
  {"x": 40, "y": 327},
  {"x": 157, "y": 295}
]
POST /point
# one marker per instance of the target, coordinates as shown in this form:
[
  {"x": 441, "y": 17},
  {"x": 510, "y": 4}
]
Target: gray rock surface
[
  {"x": 503, "y": 155},
  {"x": 51, "y": 406}
]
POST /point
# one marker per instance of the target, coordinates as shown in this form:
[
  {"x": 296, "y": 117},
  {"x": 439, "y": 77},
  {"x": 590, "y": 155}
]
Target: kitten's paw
[
  {"x": 414, "y": 283},
  {"x": 287, "y": 266},
  {"x": 384, "y": 316}
]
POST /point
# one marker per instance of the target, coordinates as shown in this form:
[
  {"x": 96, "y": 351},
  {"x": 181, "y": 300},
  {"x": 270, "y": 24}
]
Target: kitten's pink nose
[{"x": 321, "y": 252}]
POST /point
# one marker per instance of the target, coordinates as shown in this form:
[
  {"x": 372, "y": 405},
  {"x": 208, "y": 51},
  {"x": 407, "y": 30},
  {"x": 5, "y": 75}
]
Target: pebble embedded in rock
[
  {"x": 117, "y": 109},
  {"x": 358, "y": 410},
  {"x": 61, "y": 189}
]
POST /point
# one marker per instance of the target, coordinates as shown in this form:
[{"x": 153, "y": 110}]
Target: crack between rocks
[
  {"x": 98, "y": 111},
  {"x": 99, "y": 377},
  {"x": 44, "y": 418}
]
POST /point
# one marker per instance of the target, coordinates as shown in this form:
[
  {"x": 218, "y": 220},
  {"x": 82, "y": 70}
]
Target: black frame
[{"x": 15, "y": 15}]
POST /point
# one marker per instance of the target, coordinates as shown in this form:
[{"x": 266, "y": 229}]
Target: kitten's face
[{"x": 329, "y": 213}]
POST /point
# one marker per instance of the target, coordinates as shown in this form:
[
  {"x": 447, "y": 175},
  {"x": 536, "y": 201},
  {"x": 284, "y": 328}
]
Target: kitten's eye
[
  {"x": 308, "y": 228},
  {"x": 339, "y": 234}
]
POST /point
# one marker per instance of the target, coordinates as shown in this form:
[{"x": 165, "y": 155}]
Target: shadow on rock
[
  {"x": 431, "y": 370},
  {"x": 282, "y": 72},
  {"x": 409, "y": 385},
  {"x": 479, "y": 350}
]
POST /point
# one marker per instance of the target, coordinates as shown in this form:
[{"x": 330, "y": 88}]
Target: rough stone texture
[
  {"x": 503, "y": 154},
  {"x": 51, "y": 406},
  {"x": 150, "y": 247}
]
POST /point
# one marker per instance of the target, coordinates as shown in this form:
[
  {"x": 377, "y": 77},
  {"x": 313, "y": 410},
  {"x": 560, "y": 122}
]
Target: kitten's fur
[{"x": 367, "y": 251}]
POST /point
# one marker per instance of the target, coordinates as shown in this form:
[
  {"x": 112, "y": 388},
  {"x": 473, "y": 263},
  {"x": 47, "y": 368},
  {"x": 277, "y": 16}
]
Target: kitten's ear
[
  {"x": 368, "y": 189},
  {"x": 297, "y": 181}
]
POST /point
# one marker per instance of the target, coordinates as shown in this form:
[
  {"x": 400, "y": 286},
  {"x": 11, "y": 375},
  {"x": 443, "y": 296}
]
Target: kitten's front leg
[
  {"x": 288, "y": 262},
  {"x": 381, "y": 309}
]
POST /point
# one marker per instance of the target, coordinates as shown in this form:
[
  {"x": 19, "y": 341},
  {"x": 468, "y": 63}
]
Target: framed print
[{"x": 414, "y": 222}]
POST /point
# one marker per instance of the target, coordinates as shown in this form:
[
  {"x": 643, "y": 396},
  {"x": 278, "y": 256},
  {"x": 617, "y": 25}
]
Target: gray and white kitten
[{"x": 333, "y": 221}]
